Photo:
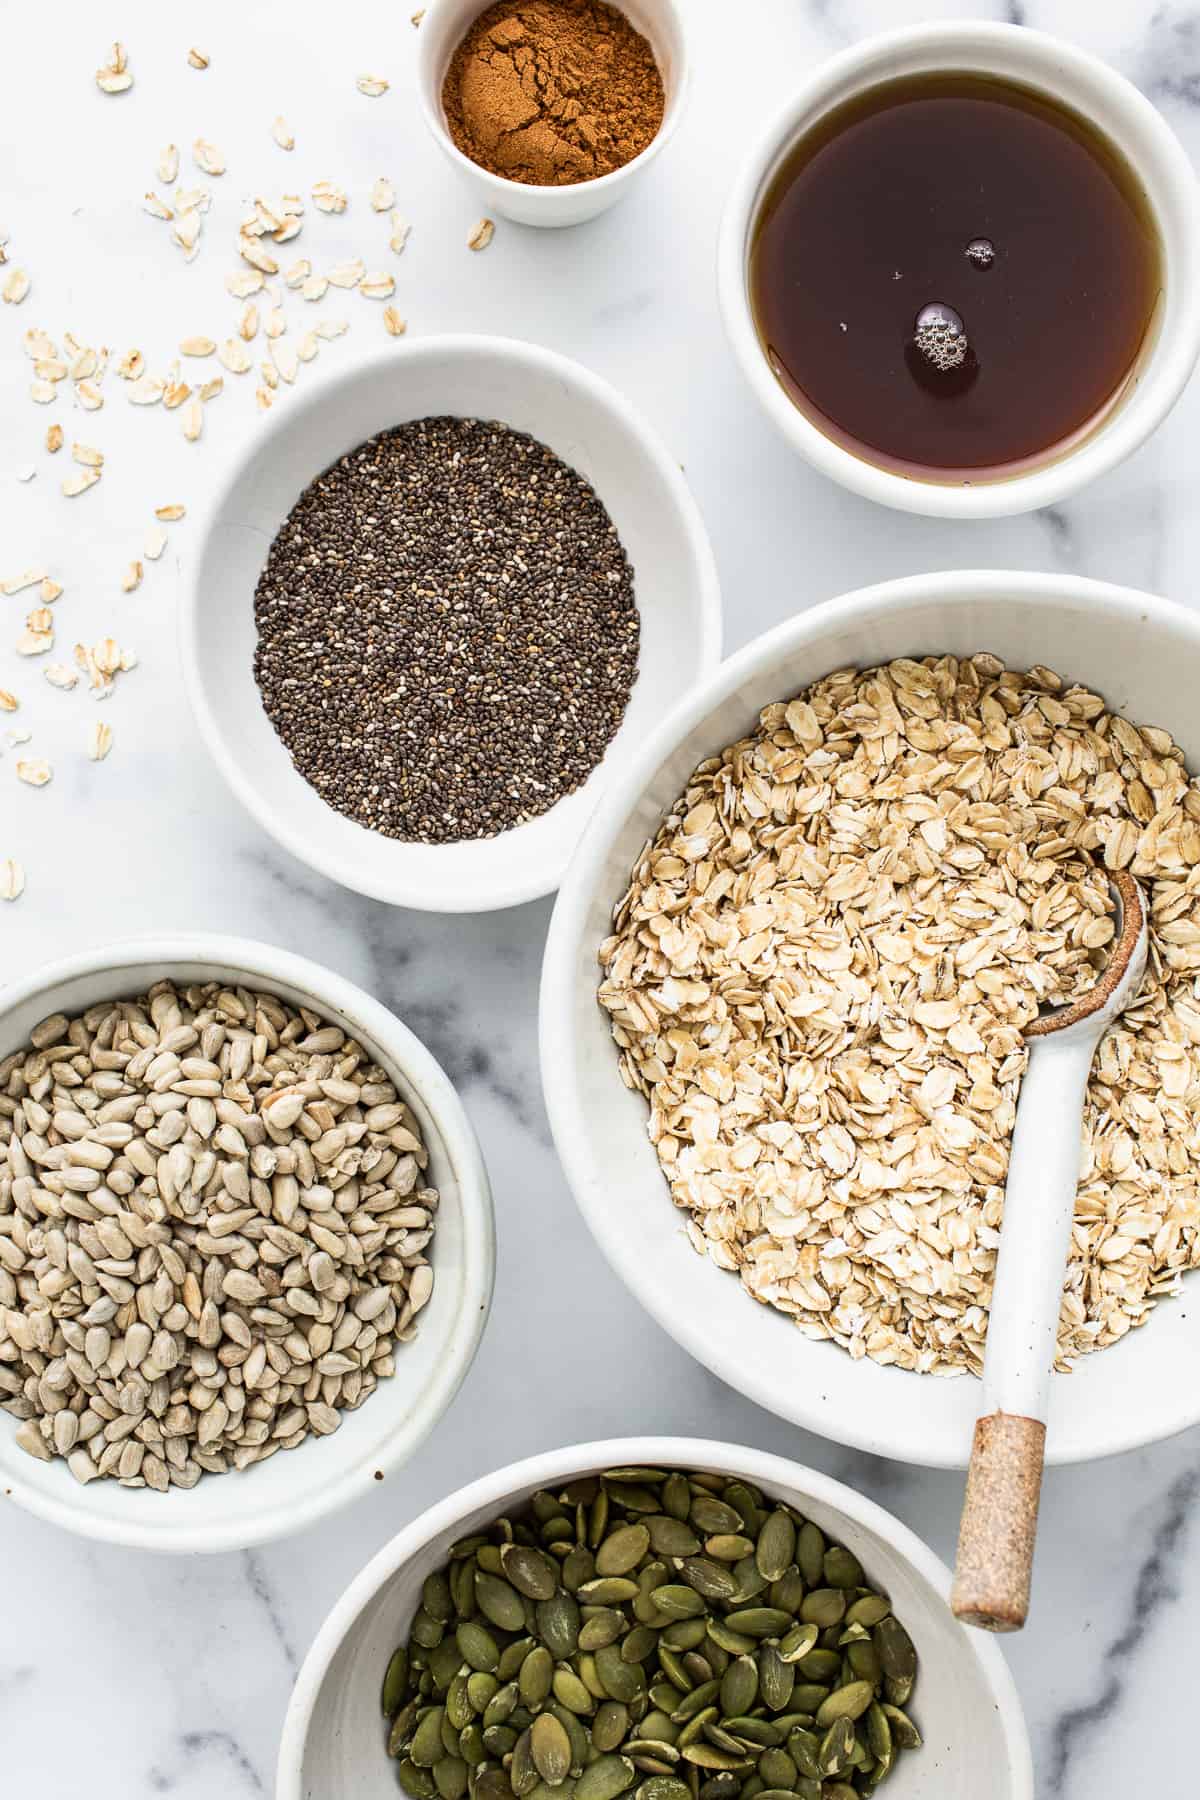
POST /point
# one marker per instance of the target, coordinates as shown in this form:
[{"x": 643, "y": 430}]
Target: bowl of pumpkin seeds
[{"x": 653, "y": 1619}]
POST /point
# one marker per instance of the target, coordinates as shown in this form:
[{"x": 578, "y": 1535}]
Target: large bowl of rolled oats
[
  {"x": 787, "y": 981},
  {"x": 246, "y": 1243}
]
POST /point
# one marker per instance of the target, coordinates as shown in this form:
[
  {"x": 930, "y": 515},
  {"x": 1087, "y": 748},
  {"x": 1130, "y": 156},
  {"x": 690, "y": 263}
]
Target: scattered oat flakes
[
  {"x": 89, "y": 396},
  {"x": 44, "y": 392},
  {"x": 167, "y": 167},
  {"x": 147, "y": 391},
  {"x": 243, "y": 283},
  {"x": 89, "y": 458},
  {"x": 377, "y": 286},
  {"x": 348, "y": 274},
  {"x": 383, "y": 196},
  {"x": 298, "y": 273},
  {"x": 132, "y": 578},
  {"x": 175, "y": 390},
  {"x": 79, "y": 484},
  {"x": 84, "y": 364},
  {"x": 332, "y": 328},
  {"x": 113, "y": 81},
  {"x": 269, "y": 373},
  {"x": 131, "y": 365},
  {"x": 248, "y": 323},
  {"x": 60, "y": 676},
  {"x": 198, "y": 346},
  {"x": 275, "y": 324},
  {"x": 400, "y": 231},
  {"x": 155, "y": 542},
  {"x": 235, "y": 356},
  {"x": 256, "y": 256},
  {"x": 193, "y": 421},
  {"x": 417, "y": 17},
  {"x": 16, "y": 584},
  {"x": 282, "y": 135},
  {"x": 207, "y": 157},
  {"x": 35, "y": 773},
  {"x": 290, "y": 228},
  {"x": 100, "y": 741},
  {"x": 262, "y": 399},
  {"x": 307, "y": 346},
  {"x": 34, "y": 643},
  {"x": 208, "y": 390},
  {"x": 158, "y": 209},
  {"x": 197, "y": 59},
  {"x": 26, "y": 472},
  {"x": 8, "y": 702},
  {"x": 12, "y": 879},
  {"x": 328, "y": 197},
  {"x": 49, "y": 590},
  {"x": 372, "y": 86},
  {"x": 481, "y": 235},
  {"x": 170, "y": 513},
  {"x": 38, "y": 346},
  {"x": 314, "y": 287},
  {"x": 395, "y": 325},
  {"x": 285, "y": 360}
]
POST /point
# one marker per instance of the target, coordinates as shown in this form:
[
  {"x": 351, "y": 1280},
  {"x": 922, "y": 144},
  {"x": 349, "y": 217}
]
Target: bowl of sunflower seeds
[
  {"x": 787, "y": 982},
  {"x": 656, "y": 1618}
]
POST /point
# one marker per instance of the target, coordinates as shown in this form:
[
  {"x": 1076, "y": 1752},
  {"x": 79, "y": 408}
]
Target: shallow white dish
[
  {"x": 295, "y": 1489},
  {"x": 1143, "y": 655},
  {"x": 591, "y": 427},
  {"x": 446, "y": 23},
  {"x": 1116, "y": 108},
  {"x": 965, "y": 1701}
]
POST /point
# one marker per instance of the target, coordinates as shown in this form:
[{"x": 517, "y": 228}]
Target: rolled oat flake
[{"x": 447, "y": 632}]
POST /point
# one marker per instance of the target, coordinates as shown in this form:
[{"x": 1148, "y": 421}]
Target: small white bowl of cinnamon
[{"x": 552, "y": 108}]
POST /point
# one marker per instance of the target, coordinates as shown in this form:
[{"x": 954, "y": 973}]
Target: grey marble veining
[{"x": 126, "y": 1677}]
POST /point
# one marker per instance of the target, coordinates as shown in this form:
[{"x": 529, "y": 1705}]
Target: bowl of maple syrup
[{"x": 961, "y": 269}]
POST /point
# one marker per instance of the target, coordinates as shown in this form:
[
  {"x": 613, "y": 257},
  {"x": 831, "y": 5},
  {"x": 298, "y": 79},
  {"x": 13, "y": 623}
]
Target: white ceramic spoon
[{"x": 1004, "y": 1482}]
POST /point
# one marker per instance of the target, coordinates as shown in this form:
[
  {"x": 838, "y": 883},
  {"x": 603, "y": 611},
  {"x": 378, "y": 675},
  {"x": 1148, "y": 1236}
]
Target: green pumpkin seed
[
  {"x": 839, "y": 1790},
  {"x": 716, "y": 1734},
  {"x": 841, "y": 1569},
  {"x": 750, "y": 1583},
  {"x": 777, "y": 1768},
  {"x": 808, "y": 1695},
  {"x": 459, "y": 1711},
  {"x": 759, "y": 1621},
  {"x": 633, "y": 1496},
  {"x": 604, "y": 1779},
  {"x": 721, "y": 1787},
  {"x": 863, "y": 1659},
  {"x": 450, "y": 1777},
  {"x": 763, "y": 1733},
  {"x": 897, "y": 1655},
  {"x": 550, "y": 1749},
  {"x": 694, "y": 1729},
  {"x": 808, "y": 1790},
  {"x": 734, "y": 1643},
  {"x": 711, "y": 1516},
  {"x": 670, "y": 1536},
  {"x": 701, "y": 1700},
  {"x": 776, "y": 1679},
  {"x": 678, "y": 1602},
  {"x": 776, "y": 1546},
  {"x": 462, "y": 1587},
  {"x": 622, "y": 1550},
  {"x": 778, "y": 1793},
  {"x": 502, "y": 1704},
  {"x": 400, "y": 1735},
  {"x": 837, "y": 1748},
  {"x": 739, "y": 1685},
  {"x": 619, "y": 1679},
  {"x": 804, "y": 1748},
  {"x": 579, "y": 1566},
  {"x": 581, "y": 1748},
  {"x": 493, "y": 1784},
  {"x": 849, "y": 1702},
  {"x": 796, "y": 1644},
  {"x": 426, "y": 1747},
  {"x": 904, "y": 1732},
  {"x": 711, "y": 1579},
  {"x": 522, "y": 1770},
  {"x": 444, "y": 1664},
  {"x": 608, "y": 1590},
  {"x": 787, "y": 1592},
  {"x": 436, "y": 1597},
  {"x": 530, "y": 1571},
  {"x": 879, "y": 1732},
  {"x": 426, "y": 1630},
  {"x": 810, "y": 1554},
  {"x": 571, "y": 1692},
  {"x": 477, "y": 1647},
  {"x": 417, "y": 1783},
  {"x": 499, "y": 1603},
  {"x": 707, "y": 1756},
  {"x": 395, "y": 1681},
  {"x": 823, "y": 1607},
  {"x": 664, "y": 1787},
  {"x": 728, "y": 1546},
  {"x": 602, "y": 1625},
  {"x": 677, "y": 1496},
  {"x": 512, "y": 1657},
  {"x": 610, "y": 1726},
  {"x": 868, "y": 1610},
  {"x": 558, "y": 1624}
]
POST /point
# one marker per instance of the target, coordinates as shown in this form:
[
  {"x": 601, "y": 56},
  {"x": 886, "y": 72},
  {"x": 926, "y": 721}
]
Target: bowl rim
[
  {"x": 429, "y": 98},
  {"x": 557, "y": 1044},
  {"x": 1167, "y": 367},
  {"x": 759, "y": 1466},
  {"x": 515, "y": 882},
  {"x": 330, "y": 992}
]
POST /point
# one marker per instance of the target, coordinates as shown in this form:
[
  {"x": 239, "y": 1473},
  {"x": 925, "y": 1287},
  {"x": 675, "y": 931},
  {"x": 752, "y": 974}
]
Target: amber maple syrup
[{"x": 954, "y": 277}]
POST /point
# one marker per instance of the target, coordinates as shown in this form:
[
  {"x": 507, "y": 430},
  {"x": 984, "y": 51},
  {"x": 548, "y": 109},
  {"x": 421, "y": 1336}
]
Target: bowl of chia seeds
[
  {"x": 433, "y": 607},
  {"x": 655, "y": 1619}
]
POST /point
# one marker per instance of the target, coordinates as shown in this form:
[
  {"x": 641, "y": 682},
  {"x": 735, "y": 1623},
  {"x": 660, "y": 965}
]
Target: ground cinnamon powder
[{"x": 553, "y": 91}]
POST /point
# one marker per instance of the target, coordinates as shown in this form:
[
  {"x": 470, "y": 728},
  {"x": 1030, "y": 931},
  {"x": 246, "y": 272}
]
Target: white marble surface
[{"x": 124, "y": 1676}]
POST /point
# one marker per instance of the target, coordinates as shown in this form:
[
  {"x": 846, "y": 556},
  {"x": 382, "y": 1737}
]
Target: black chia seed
[{"x": 447, "y": 634}]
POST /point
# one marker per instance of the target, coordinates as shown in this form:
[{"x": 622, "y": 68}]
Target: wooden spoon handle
[{"x": 999, "y": 1522}]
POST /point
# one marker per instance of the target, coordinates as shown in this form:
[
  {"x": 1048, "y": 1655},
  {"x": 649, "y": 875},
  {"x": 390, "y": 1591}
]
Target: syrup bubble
[
  {"x": 981, "y": 252},
  {"x": 940, "y": 336}
]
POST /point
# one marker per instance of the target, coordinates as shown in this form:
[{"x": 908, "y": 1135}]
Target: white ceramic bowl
[
  {"x": 965, "y": 1701},
  {"x": 443, "y": 28},
  {"x": 294, "y": 1490},
  {"x": 1143, "y": 655},
  {"x": 591, "y": 427},
  {"x": 1116, "y": 108}
]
